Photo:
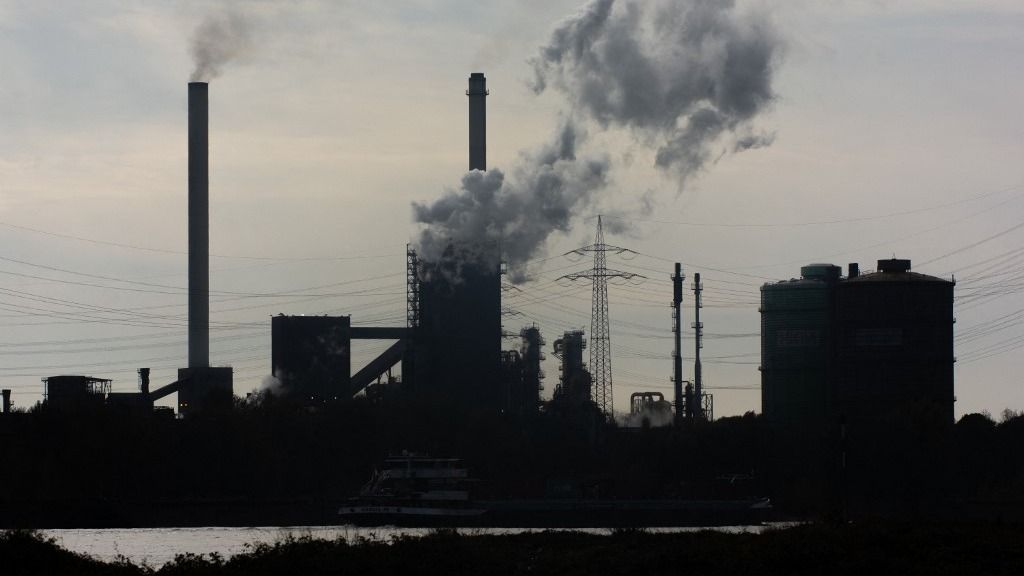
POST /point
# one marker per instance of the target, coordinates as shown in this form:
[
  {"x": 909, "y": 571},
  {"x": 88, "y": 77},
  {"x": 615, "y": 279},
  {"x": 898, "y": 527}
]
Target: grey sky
[{"x": 344, "y": 114}]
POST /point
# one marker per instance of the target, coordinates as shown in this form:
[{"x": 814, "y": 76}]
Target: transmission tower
[{"x": 600, "y": 334}]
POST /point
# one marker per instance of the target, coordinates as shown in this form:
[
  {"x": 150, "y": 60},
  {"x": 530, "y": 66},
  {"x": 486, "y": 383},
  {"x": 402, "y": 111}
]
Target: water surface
[{"x": 157, "y": 546}]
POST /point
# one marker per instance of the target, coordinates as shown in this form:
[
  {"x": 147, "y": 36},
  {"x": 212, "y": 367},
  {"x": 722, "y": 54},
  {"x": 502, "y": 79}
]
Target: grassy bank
[{"x": 812, "y": 549}]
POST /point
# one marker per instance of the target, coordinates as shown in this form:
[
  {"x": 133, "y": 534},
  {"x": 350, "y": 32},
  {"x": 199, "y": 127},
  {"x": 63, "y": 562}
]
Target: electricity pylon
[{"x": 600, "y": 334}]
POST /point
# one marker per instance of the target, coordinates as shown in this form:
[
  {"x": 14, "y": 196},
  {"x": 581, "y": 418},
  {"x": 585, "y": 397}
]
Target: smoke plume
[
  {"x": 218, "y": 40},
  {"x": 516, "y": 213},
  {"x": 681, "y": 74},
  {"x": 685, "y": 76}
]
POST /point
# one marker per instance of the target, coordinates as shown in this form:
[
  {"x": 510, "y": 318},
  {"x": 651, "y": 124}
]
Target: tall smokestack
[
  {"x": 477, "y": 121},
  {"x": 198, "y": 227},
  {"x": 7, "y": 401}
]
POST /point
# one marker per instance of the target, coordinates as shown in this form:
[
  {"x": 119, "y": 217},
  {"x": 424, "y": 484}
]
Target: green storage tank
[{"x": 796, "y": 346}]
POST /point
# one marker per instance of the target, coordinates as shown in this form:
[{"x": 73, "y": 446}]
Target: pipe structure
[
  {"x": 144, "y": 381},
  {"x": 677, "y": 351},
  {"x": 7, "y": 401},
  {"x": 198, "y": 226},
  {"x": 477, "y": 121},
  {"x": 698, "y": 334}
]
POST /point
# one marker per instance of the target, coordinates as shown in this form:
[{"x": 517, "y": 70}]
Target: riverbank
[{"x": 809, "y": 549}]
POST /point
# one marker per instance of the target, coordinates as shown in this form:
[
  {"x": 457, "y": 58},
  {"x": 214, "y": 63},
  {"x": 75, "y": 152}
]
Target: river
[{"x": 157, "y": 546}]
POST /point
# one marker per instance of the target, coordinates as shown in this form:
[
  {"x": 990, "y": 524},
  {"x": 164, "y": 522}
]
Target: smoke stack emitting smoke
[
  {"x": 198, "y": 226},
  {"x": 684, "y": 75},
  {"x": 219, "y": 39}
]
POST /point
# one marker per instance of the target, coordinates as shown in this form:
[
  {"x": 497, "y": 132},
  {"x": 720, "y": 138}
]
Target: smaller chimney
[
  {"x": 854, "y": 271},
  {"x": 144, "y": 381},
  {"x": 7, "y": 401}
]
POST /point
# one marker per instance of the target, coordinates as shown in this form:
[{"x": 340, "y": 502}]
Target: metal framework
[
  {"x": 600, "y": 334},
  {"x": 412, "y": 287}
]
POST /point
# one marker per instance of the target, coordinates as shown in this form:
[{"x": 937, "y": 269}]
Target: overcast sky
[{"x": 895, "y": 128}]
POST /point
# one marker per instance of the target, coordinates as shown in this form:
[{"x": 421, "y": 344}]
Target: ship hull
[
  {"x": 566, "y": 514},
  {"x": 411, "y": 516}
]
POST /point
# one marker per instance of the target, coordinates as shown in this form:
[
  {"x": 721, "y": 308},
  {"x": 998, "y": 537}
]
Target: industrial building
[
  {"x": 75, "y": 392},
  {"x": 71, "y": 393},
  {"x": 521, "y": 373},
  {"x": 574, "y": 380},
  {"x": 311, "y": 356},
  {"x": 450, "y": 346},
  {"x": 857, "y": 382},
  {"x": 868, "y": 346},
  {"x": 458, "y": 339}
]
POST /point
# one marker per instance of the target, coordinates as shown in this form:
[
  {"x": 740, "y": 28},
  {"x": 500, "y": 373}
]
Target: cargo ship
[{"x": 415, "y": 490}]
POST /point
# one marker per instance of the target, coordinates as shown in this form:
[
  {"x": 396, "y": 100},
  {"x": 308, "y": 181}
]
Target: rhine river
[{"x": 157, "y": 546}]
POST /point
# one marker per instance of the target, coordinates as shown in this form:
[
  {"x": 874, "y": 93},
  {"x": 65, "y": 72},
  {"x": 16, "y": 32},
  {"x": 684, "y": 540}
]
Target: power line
[{"x": 185, "y": 253}]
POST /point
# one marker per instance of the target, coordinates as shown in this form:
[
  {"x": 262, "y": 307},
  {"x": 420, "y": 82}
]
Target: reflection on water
[{"x": 157, "y": 546}]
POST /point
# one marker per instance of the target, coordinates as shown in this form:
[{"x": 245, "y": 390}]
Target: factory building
[
  {"x": 458, "y": 339},
  {"x": 87, "y": 394},
  {"x": 451, "y": 345},
  {"x": 75, "y": 393},
  {"x": 311, "y": 356}
]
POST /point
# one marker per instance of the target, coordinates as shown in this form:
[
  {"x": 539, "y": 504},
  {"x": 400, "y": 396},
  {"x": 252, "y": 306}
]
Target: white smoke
[
  {"x": 218, "y": 40},
  {"x": 515, "y": 213},
  {"x": 654, "y": 416},
  {"x": 273, "y": 384},
  {"x": 681, "y": 74}
]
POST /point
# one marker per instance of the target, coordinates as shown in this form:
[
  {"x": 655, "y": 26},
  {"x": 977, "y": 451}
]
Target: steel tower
[{"x": 600, "y": 333}]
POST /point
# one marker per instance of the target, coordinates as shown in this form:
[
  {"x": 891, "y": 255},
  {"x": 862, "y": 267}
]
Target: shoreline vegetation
[{"x": 833, "y": 549}]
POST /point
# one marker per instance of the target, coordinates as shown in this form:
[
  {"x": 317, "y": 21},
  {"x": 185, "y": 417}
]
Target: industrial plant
[
  {"x": 848, "y": 363},
  {"x": 865, "y": 347}
]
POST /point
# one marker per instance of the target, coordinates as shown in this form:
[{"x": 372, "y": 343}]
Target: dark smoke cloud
[
  {"x": 515, "y": 213},
  {"x": 680, "y": 73},
  {"x": 219, "y": 39}
]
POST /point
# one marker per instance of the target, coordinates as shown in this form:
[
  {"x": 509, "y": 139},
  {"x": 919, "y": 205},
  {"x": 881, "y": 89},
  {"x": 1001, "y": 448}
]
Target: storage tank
[
  {"x": 894, "y": 335},
  {"x": 796, "y": 344}
]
